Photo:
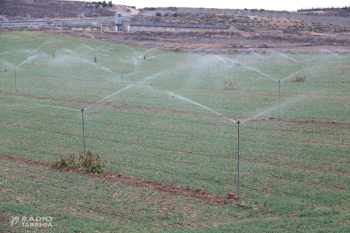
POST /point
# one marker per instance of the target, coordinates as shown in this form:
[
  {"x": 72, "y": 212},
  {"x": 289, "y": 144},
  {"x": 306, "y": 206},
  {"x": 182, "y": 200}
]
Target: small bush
[
  {"x": 229, "y": 84},
  {"x": 158, "y": 14},
  {"x": 69, "y": 163},
  {"x": 300, "y": 79},
  {"x": 90, "y": 163}
]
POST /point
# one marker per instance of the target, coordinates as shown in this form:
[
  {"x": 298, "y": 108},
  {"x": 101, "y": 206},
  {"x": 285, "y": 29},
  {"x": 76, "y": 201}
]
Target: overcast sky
[{"x": 289, "y": 5}]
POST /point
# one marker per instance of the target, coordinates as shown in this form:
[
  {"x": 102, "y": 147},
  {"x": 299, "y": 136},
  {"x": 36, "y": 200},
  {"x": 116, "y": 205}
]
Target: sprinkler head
[
  {"x": 83, "y": 109},
  {"x": 238, "y": 122},
  {"x": 279, "y": 81}
]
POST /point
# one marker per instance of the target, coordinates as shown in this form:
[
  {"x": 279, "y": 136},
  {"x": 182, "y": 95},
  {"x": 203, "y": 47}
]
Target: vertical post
[
  {"x": 264, "y": 65},
  {"x": 229, "y": 74},
  {"x": 53, "y": 55},
  {"x": 133, "y": 70},
  {"x": 208, "y": 68},
  {"x": 95, "y": 56},
  {"x": 15, "y": 79},
  {"x": 238, "y": 158},
  {"x": 82, "y": 117},
  {"x": 33, "y": 62},
  {"x": 279, "y": 96},
  {"x": 299, "y": 70},
  {"x": 121, "y": 87},
  {"x": 80, "y": 61}
]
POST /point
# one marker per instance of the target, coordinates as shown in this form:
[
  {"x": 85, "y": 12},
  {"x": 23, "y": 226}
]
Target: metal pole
[
  {"x": 208, "y": 68},
  {"x": 279, "y": 96},
  {"x": 121, "y": 87},
  {"x": 15, "y": 79},
  {"x": 82, "y": 117},
  {"x": 238, "y": 157},
  {"x": 133, "y": 70}
]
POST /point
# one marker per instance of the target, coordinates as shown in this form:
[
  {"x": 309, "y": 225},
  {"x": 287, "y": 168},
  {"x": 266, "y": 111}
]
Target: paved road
[{"x": 20, "y": 23}]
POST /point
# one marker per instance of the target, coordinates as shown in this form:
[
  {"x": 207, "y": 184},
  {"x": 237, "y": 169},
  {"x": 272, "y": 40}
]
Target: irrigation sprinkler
[
  {"x": 57, "y": 66},
  {"x": 53, "y": 56},
  {"x": 80, "y": 60},
  {"x": 82, "y": 118},
  {"x": 238, "y": 158},
  {"x": 95, "y": 56}
]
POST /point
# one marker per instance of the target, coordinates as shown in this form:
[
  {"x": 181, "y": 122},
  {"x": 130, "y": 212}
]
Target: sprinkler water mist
[
  {"x": 82, "y": 118},
  {"x": 238, "y": 158}
]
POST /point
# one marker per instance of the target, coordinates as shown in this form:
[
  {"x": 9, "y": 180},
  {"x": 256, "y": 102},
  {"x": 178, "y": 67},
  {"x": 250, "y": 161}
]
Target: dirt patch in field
[{"x": 167, "y": 188}]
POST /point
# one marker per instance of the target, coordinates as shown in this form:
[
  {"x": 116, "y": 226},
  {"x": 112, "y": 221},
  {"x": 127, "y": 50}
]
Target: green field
[{"x": 167, "y": 117}]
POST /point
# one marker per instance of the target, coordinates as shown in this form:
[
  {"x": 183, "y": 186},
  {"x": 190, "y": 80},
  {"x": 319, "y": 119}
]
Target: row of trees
[
  {"x": 104, "y": 4},
  {"x": 326, "y": 9}
]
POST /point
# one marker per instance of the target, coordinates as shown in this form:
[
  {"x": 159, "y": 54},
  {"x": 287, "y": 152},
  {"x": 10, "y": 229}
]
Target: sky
[{"x": 291, "y": 5}]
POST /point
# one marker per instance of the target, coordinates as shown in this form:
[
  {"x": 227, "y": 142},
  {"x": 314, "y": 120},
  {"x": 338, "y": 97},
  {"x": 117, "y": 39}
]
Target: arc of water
[
  {"x": 45, "y": 54},
  {"x": 52, "y": 106},
  {"x": 43, "y": 45},
  {"x": 33, "y": 56},
  {"x": 272, "y": 108},
  {"x": 7, "y": 63},
  {"x": 261, "y": 73},
  {"x": 21, "y": 63},
  {"x": 109, "y": 96},
  {"x": 202, "y": 106}
]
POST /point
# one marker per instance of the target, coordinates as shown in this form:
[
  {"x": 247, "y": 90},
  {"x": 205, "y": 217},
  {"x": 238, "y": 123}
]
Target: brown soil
[{"x": 119, "y": 178}]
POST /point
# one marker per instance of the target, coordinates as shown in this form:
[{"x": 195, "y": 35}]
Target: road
[{"x": 21, "y": 23}]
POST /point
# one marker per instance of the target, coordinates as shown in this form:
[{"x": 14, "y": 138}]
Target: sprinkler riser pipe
[
  {"x": 82, "y": 118},
  {"x": 238, "y": 159}
]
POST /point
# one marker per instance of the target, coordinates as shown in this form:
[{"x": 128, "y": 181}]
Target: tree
[
  {"x": 158, "y": 14},
  {"x": 104, "y": 4},
  {"x": 110, "y": 4}
]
